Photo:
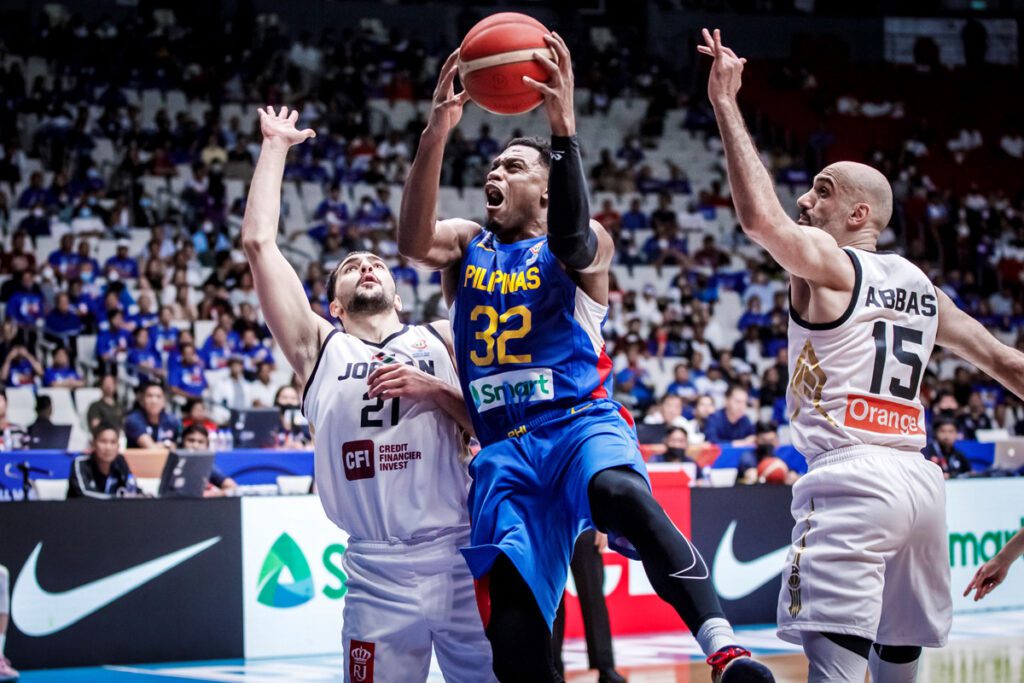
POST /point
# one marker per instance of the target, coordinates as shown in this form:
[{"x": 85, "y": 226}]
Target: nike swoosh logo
[
  {"x": 734, "y": 579},
  {"x": 38, "y": 612}
]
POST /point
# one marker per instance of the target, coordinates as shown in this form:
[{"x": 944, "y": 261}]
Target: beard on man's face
[{"x": 362, "y": 302}]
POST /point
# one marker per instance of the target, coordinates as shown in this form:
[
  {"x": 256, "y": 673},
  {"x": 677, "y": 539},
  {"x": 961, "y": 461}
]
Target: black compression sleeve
[{"x": 569, "y": 235}]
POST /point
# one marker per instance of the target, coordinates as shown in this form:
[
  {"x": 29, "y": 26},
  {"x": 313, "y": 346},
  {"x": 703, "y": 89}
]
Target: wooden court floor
[{"x": 983, "y": 660}]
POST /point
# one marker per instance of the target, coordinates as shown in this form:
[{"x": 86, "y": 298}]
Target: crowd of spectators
[{"x": 143, "y": 305}]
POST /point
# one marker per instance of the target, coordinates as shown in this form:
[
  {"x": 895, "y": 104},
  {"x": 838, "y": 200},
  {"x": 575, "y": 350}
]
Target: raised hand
[
  {"x": 446, "y": 107},
  {"x": 988, "y": 576},
  {"x": 279, "y": 128},
  {"x": 726, "y": 71},
  {"x": 558, "y": 90}
]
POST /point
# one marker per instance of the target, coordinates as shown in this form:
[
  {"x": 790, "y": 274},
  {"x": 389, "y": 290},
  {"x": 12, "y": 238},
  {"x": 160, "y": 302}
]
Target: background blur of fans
[{"x": 127, "y": 136}]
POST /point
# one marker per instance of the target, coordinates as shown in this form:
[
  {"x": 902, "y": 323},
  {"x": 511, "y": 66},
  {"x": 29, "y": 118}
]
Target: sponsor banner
[
  {"x": 113, "y": 582},
  {"x": 633, "y": 606},
  {"x": 744, "y": 533},
  {"x": 982, "y": 515},
  {"x": 292, "y": 580}
]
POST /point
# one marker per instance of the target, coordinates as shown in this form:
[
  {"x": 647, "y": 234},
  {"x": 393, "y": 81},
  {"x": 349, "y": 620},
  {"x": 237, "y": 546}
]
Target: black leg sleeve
[
  {"x": 519, "y": 635},
  {"x": 620, "y": 502},
  {"x": 588, "y": 573}
]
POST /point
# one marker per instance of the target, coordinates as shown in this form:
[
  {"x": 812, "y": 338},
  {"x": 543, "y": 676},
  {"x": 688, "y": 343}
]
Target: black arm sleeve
[{"x": 569, "y": 235}]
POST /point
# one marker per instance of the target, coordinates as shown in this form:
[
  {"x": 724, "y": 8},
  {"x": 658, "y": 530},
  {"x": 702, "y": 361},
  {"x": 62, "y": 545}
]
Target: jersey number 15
[{"x": 900, "y": 336}]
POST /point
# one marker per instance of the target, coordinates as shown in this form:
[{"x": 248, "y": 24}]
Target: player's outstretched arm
[
  {"x": 967, "y": 338},
  {"x": 580, "y": 244},
  {"x": 422, "y": 238},
  {"x": 805, "y": 252},
  {"x": 283, "y": 300},
  {"x": 993, "y": 572}
]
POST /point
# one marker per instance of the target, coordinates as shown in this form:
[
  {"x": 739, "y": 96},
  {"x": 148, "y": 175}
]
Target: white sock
[
  {"x": 891, "y": 672},
  {"x": 832, "y": 662},
  {"x": 714, "y": 634}
]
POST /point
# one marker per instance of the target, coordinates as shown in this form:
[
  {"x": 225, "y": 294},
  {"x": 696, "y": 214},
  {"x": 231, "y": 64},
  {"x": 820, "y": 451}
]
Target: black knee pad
[
  {"x": 897, "y": 654},
  {"x": 616, "y": 494},
  {"x": 855, "y": 644}
]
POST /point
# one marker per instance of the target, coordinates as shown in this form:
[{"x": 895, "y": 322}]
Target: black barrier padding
[
  {"x": 191, "y": 611},
  {"x": 763, "y": 525}
]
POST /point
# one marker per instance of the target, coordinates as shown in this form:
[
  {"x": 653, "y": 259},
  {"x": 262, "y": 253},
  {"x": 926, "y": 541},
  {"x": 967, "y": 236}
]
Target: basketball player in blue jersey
[{"x": 528, "y": 294}]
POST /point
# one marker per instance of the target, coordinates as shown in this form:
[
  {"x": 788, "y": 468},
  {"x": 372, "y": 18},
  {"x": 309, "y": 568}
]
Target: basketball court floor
[{"x": 984, "y": 648}]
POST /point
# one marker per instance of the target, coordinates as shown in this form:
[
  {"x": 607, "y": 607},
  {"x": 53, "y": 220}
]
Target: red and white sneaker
[
  {"x": 8, "y": 674},
  {"x": 733, "y": 664}
]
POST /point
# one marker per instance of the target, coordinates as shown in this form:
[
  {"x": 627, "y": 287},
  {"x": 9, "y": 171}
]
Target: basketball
[
  {"x": 772, "y": 471},
  {"x": 494, "y": 57}
]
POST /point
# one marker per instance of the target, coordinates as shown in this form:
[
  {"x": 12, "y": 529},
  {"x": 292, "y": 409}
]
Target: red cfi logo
[
  {"x": 360, "y": 661},
  {"x": 357, "y": 457}
]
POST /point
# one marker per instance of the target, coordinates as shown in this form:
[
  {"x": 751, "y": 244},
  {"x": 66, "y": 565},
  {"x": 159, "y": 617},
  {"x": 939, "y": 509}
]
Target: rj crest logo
[
  {"x": 480, "y": 278},
  {"x": 358, "y": 459},
  {"x": 360, "y": 661},
  {"x": 518, "y": 386},
  {"x": 901, "y": 300},
  {"x": 873, "y": 414}
]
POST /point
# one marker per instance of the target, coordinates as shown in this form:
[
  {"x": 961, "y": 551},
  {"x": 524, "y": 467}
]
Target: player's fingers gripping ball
[{"x": 494, "y": 57}]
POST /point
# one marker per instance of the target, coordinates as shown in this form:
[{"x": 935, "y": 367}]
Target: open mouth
[
  {"x": 495, "y": 197},
  {"x": 802, "y": 219},
  {"x": 369, "y": 279}
]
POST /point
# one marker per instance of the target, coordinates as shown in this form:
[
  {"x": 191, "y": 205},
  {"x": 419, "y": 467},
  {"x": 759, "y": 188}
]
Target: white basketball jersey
[
  {"x": 386, "y": 469},
  {"x": 857, "y": 380}
]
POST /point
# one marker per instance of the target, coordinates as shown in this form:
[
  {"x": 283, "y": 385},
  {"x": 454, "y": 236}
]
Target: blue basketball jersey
[{"x": 527, "y": 339}]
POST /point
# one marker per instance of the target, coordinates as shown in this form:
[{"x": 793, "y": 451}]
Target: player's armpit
[
  {"x": 295, "y": 327},
  {"x": 440, "y": 248},
  {"x": 967, "y": 338},
  {"x": 807, "y": 253}
]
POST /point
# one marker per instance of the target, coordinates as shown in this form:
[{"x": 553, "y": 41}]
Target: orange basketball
[
  {"x": 494, "y": 57},
  {"x": 772, "y": 471}
]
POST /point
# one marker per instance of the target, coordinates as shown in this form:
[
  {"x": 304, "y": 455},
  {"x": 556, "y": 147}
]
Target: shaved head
[{"x": 860, "y": 183}]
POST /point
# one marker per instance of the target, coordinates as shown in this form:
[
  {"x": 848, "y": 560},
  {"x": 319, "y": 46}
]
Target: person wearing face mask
[
  {"x": 675, "y": 445},
  {"x": 294, "y": 426},
  {"x": 36, "y": 223}
]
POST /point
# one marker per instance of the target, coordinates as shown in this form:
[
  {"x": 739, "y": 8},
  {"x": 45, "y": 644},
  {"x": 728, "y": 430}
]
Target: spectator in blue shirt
[
  {"x": 253, "y": 353},
  {"x": 35, "y": 193},
  {"x": 36, "y": 223},
  {"x": 163, "y": 336},
  {"x": 20, "y": 368},
  {"x": 682, "y": 385},
  {"x": 62, "y": 324},
  {"x": 112, "y": 339},
  {"x": 143, "y": 362},
  {"x": 87, "y": 268},
  {"x": 753, "y": 316},
  {"x": 485, "y": 146},
  {"x": 217, "y": 350},
  {"x": 25, "y": 306},
  {"x": 61, "y": 373},
  {"x": 64, "y": 260},
  {"x": 145, "y": 316},
  {"x": 332, "y": 205},
  {"x": 121, "y": 263},
  {"x": 730, "y": 425},
  {"x": 186, "y": 376},
  {"x": 150, "y": 424},
  {"x": 635, "y": 218}
]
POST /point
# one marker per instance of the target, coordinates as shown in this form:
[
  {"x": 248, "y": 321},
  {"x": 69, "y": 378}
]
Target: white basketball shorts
[
  {"x": 404, "y": 599},
  {"x": 869, "y": 555}
]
